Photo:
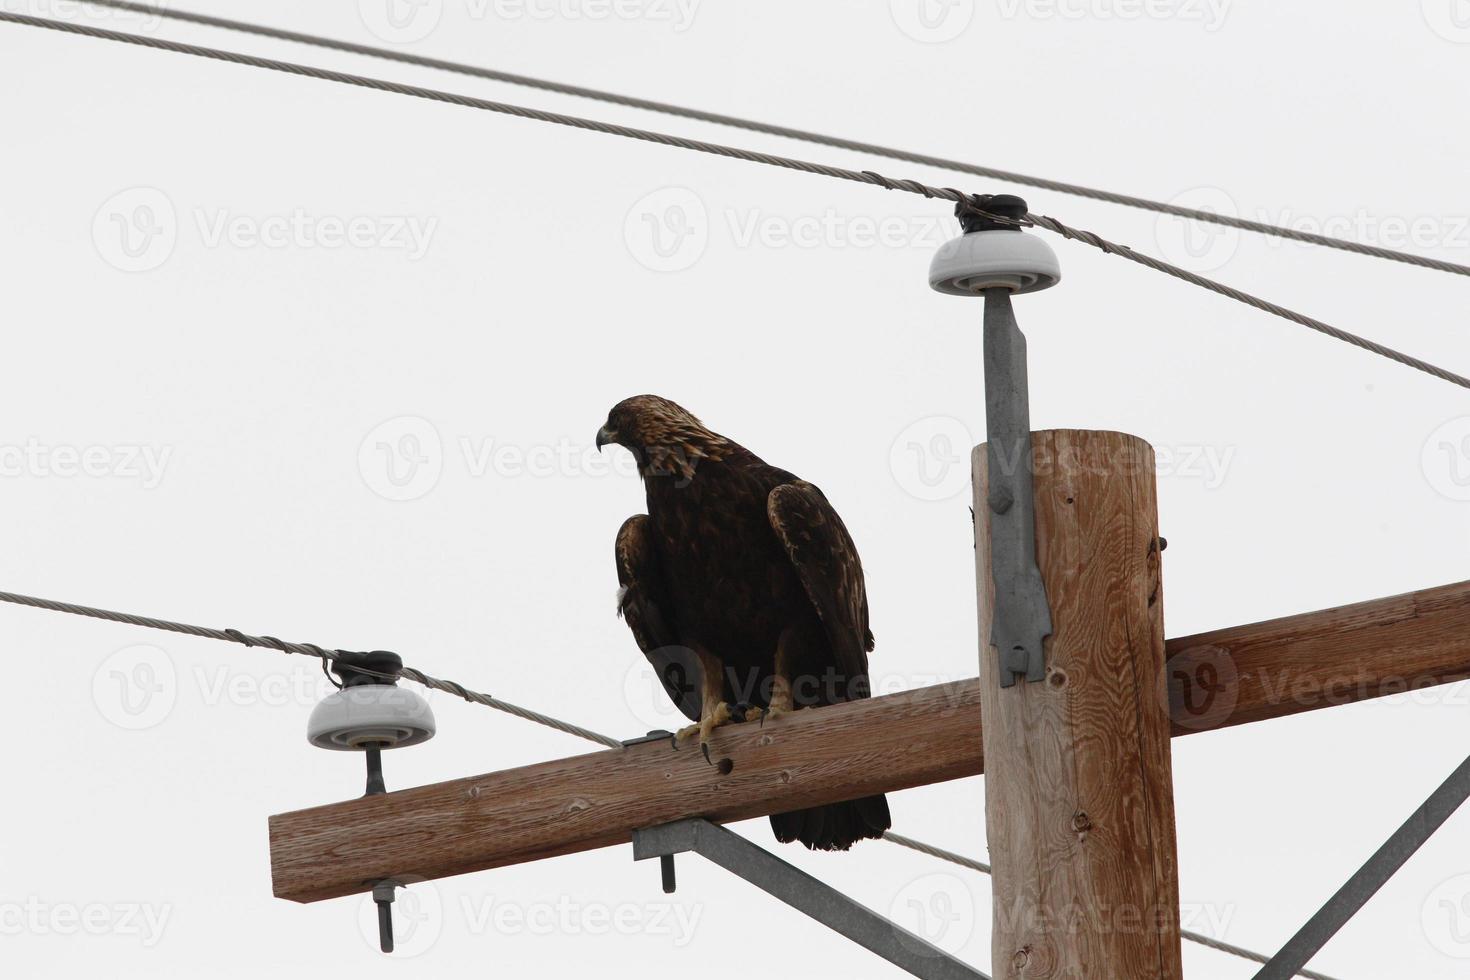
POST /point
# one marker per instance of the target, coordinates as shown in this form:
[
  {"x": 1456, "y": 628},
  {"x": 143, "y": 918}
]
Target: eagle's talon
[
  {"x": 705, "y": 747},
  {"x": 685, "y": 733}
]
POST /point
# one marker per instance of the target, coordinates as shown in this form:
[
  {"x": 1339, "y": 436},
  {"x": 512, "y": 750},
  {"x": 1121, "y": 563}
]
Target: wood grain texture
[
  {"x": 1319, "y": 659},
  {"x": 1078, "y": 787},
  {"x": 811, "y": 757}
]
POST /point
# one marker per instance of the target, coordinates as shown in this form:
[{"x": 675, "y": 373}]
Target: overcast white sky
[{"x": 326, "y": 363}]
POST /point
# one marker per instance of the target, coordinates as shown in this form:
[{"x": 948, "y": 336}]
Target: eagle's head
[{"x": 665, "y": 437}]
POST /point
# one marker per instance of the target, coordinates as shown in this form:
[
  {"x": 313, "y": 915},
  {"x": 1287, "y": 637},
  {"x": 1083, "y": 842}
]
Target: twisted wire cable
[
  {"x": 786, "y": 132},
  {"x": 311, "y": 650},
  {"x": 1240, "y": 296},
  {"x": 450, "y": 687},
  {"x": 737, "y": 153},
  {"x": 938, "y": 852}
]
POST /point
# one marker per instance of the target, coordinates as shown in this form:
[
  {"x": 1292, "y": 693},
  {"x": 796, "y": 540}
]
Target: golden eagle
[{"x": 744, "y": 590}]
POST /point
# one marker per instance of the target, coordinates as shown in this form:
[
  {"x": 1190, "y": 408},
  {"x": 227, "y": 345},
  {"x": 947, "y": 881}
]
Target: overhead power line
[
  {"x": 310, "y": 650},
  {"x": 475, "y": 697},
  {"x": 737, "y": 153},
  {"x": 771, "y": 129}
]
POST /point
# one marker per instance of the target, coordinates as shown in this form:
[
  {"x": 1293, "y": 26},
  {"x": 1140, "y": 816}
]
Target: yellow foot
[
  {"x": 712, "y": 719},
  {"x": 755, "y": 712}
]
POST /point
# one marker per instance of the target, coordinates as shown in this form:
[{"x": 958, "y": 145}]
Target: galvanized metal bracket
[
  {"x": 913, "y": 954},
  {"x": 1022, "y": 617}
]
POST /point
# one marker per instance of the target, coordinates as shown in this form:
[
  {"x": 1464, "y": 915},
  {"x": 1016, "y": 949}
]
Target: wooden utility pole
[{"x": 1078, "y": 785}]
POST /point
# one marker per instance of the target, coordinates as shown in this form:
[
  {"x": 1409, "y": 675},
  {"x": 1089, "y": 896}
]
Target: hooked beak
[{"x": 606, "y": 436}]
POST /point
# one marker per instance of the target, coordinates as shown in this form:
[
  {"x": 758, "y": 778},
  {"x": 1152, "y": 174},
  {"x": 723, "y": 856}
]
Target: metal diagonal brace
[
  {"x": 804, "y": 893},
  {"x": 1363, "y": 885},
  {"x": 1022, "y": 617}
]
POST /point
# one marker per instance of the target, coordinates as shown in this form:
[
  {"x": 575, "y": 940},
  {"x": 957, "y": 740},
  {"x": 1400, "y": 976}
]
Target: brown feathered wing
[
  {"x": 643, "y": 602},
  {"x": 827, "y": 564}
]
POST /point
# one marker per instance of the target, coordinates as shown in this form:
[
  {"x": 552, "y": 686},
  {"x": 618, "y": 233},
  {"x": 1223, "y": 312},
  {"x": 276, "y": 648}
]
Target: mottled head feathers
[{"x": 666, "y": 437}]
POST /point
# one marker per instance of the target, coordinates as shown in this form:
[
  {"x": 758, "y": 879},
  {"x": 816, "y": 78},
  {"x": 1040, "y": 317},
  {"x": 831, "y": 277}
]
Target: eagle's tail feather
[{"x": 835, "y": 827}]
